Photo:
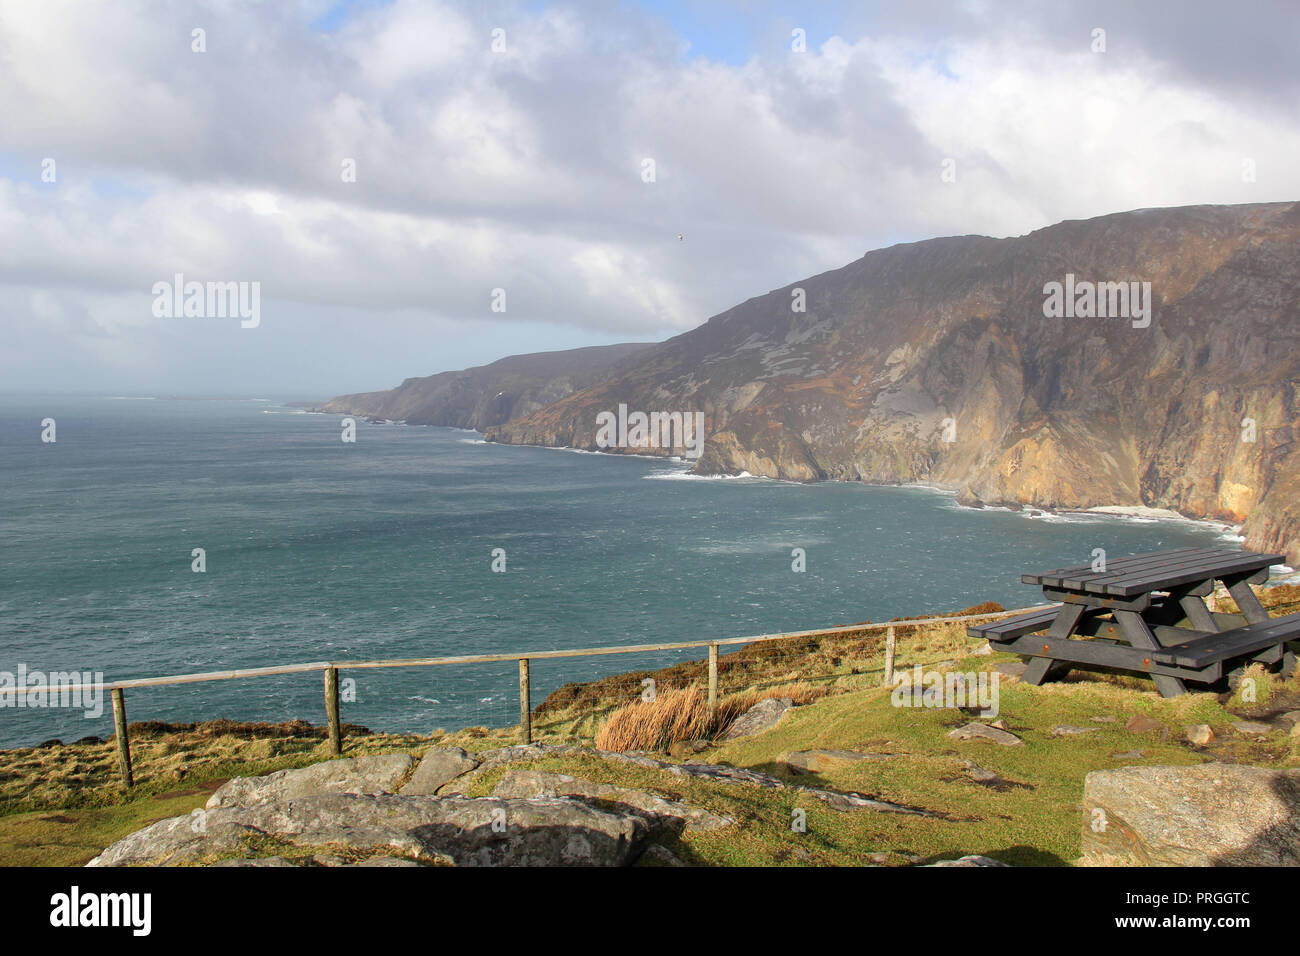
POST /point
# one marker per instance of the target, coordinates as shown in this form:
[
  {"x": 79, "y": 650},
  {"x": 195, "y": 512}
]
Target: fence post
[
  {"x": 332, "y": 710},
  {"x": 890, "y": 648},
  {"x": 123, "y": 744},
  {"x": 525, "y": 703},
  {"x": 713, "y": 680}
]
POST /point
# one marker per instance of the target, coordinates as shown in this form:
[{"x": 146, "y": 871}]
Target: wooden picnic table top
[{"x": 1156, "y": 571}]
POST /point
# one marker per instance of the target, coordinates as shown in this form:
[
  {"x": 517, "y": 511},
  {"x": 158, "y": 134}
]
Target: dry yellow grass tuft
[{"x": 684, "y": 715}]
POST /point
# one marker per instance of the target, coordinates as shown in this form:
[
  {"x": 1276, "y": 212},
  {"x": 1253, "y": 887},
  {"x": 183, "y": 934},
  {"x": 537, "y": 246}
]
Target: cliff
[
  {"x": 489, "y": 394},
  {"x": 934, "y": 361}
]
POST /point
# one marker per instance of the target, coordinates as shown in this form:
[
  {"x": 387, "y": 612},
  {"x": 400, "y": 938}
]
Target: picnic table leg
[
  {"x": 1239, "y": 588},
  {"x": 1194, "y": 606},
  {"x": 1042, "y": 669},
  {"x": 1139, "y": 635}
]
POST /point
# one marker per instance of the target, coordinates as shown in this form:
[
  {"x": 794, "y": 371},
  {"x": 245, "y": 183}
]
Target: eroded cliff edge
[{"x": 933, "y": 361}]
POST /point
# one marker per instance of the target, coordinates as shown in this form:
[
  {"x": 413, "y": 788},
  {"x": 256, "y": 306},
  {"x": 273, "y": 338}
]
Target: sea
[{"x": 160, "y": 536}]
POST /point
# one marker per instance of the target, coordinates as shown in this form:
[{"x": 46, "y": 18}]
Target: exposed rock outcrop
[
  {"x": 489, "y": 394},
  {"x": 1208, "y": 815},
  {"x": 933, "y": 361}
]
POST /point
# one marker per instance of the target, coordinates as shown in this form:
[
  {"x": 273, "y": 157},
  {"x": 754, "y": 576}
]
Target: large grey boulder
[
  {"x": 377, "y": 774},
  {"x": 764, "y": 715},
  {"x": 438, "y": 767},
  {"x": 526, "y": 784},
  {"x": 1209, "y": 815},
  {"x": 467, "y": 832}
]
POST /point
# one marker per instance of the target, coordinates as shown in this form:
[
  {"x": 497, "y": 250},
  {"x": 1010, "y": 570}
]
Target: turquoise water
[{"x": 317, "y": 549}]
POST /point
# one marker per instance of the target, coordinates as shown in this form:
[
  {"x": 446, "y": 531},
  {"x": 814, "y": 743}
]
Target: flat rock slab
[
  {"x": 985, "y": 732},
  {"x": 494, "y": 759},
  {"x": 438, "y": 767},
  {"x": 526, "y": 784},
  {"x": 819, "y": 761},
  {"x": 1139, "y": 724},
  {"x": 972, "y": 860},
  {"x": 1251, "y": 728},
  {"x": 377, "y": 774},
  {"x": 1069, "y": 730},
  {"x": 836, "y": 799},
  {"x": 1207, "y": 815},
  {"x": 1011, "y": 671},
  {"x": 764, "y": 715},
  {"x": 544, "y": 831}
]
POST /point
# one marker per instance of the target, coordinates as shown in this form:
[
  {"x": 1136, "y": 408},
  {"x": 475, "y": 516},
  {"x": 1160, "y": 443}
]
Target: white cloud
[{"x": 521, "y": 170}]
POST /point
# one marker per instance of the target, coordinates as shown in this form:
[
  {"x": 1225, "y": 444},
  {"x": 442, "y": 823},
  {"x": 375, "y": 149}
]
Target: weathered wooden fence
[{"x": 331, "y": 671}]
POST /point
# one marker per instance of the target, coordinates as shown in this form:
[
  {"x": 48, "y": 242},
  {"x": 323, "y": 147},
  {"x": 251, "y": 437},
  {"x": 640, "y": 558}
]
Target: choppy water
[{"x": 317, "y": 549}]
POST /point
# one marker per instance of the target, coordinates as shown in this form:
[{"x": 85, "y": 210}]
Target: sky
[{"x": 422, "y": 186}]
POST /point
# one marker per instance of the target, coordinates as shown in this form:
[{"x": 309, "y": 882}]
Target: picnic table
[{"x": 1146, "y": 614}]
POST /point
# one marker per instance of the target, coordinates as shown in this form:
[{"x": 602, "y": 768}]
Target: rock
[
  {"x": 1208, "y": 815},
  {"x": 544, "y": 831},
  {"x": 384, "y": 861},
  {"x": 973, "y": 860},
  {"x": 526, "y": 784},
  {"x": 1069, "y": 730},
  {"x": 506, "y": 756},
  {"x": 1140, "y": 724},
  {"x": 985, "y": 732},
  {"x": 1128, "y": 755},
  {"x": 256, "y": 861},
  {"x": 438, "y": 767},
  {"x": 1103, "y": 720},
  {"x": 1199, "y": 734},
  {"x": 764, "y": 715},
  {"x": 999, "y": 724},
  {"x": 738, "y": 775},
  {"x": 656, "y": 854},
  {"x": 819, "y": 761},
  {"x": 1251, "y": 727},
  {"x": 978, "y": 773},
  {"x": 1290, "y": 719},
  {"x": 1010, "y": 671},
  {"x": 378, "y": 774},
  {"x": 983, "y": 650}
]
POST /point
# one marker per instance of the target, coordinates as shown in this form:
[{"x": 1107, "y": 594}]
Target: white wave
[
  {"x": 687, "y": 476},
  {"x": 471, "y": 441}
]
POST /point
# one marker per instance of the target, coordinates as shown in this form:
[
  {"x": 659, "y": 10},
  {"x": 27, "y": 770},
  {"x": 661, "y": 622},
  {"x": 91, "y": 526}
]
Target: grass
[
  {"x": 61, "y": 805},
  {"x": 683, "y": 715}
]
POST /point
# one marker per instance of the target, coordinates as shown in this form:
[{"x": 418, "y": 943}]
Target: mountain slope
[
  {"x": 1054, "y": 412},
  {"x": 489, "y": 394}
]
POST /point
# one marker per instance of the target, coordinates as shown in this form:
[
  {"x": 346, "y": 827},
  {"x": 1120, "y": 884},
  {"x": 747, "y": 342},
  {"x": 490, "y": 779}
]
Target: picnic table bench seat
[{"x": 1202, "y": 651}]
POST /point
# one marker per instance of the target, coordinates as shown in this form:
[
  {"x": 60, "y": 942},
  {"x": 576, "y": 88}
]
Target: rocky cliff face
[
  {"x": 934, "y": 361},
  {"x": 489, "y": 394}
]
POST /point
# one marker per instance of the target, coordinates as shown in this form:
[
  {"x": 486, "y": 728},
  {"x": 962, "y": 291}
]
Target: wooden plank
[
  {"x": 1106, "y": 655},
  {"x": 1196, "y": 573},
  {"x": 1211, "y": 648},
  {"x": 1134, "y": 560},
  {"x": 515, "y": 656},
  {"x": 1015, "y": 626},
  {"x": 1083, "y": 576}
]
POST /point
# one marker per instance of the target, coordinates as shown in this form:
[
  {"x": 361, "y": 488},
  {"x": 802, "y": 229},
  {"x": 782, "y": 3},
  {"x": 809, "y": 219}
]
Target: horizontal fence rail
[{"x": 331, "y": 669}]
